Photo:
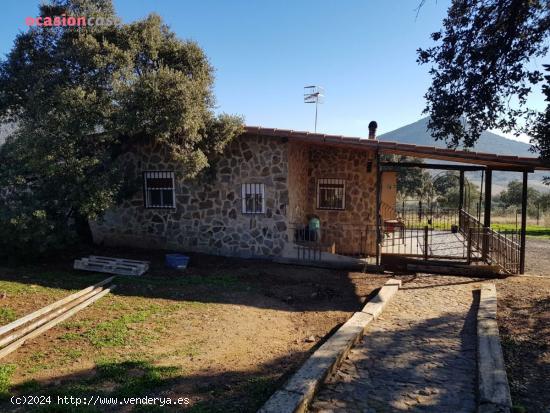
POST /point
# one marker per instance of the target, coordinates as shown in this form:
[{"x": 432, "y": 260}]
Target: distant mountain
[{"x": 417, "y": 134}]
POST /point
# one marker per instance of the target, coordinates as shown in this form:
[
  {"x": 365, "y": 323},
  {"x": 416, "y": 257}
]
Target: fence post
[
  {"x": 426, "y": 243},
  {"x": 469, "y": 251},
  {"x": 485, "y": 244}
]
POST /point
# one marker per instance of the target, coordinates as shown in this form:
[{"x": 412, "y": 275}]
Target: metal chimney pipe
[{"x": 372, "y": 129}]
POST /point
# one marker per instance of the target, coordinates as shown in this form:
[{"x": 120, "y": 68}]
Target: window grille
[
  {"x": 253, "y": 198},
  {"x": 159, "y": 189},
  {"x": 331, "y": 193}
]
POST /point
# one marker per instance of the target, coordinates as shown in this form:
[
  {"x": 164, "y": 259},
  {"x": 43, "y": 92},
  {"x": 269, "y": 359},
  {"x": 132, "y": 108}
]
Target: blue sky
[{"x": 362, "y": 52}]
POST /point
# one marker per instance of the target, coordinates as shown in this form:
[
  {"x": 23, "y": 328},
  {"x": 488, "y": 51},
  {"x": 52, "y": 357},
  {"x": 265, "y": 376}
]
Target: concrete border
[
  {"x": 494, "y": 391},
  {"x": 299, "y": 390},
  {"x": 331, "y": 265}
]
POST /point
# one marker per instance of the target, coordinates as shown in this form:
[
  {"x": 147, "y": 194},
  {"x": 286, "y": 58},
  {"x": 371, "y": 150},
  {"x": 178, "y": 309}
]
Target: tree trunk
[{"x": 83, "y": 230}]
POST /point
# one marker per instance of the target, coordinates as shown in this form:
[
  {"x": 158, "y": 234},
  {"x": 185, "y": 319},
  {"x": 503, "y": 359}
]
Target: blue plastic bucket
[{"x": 177, "y": 261}]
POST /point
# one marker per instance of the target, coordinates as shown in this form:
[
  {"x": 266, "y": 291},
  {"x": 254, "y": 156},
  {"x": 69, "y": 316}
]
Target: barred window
[
  {"x": 331, "y": 193},
  {"x": 253, "y": 198},
  {"x": 158, "y": 189}
]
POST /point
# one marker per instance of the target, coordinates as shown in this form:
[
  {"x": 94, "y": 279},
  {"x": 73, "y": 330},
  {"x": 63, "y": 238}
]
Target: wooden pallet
[{"x": 119, "y": 266}]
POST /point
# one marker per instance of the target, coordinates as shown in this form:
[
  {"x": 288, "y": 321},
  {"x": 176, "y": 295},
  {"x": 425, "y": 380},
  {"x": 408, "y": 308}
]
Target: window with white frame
[
  {"x": 331, "y": 193},
  {"x": 159, "y": 189},
  {"x": 253, "y": 198}
]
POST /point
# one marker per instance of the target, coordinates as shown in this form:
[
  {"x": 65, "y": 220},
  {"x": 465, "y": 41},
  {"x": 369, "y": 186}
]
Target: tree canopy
[
  {"x": 81, "y": 96},
  {"x": 482, "y": 71},
  {"x": 513, "y": 194}
]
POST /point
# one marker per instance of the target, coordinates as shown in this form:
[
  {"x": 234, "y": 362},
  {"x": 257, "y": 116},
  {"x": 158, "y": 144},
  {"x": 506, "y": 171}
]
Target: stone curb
[
  {"x": 300, "y": 389},
  {"x": 494, "y": 391},
  {"x": 350, "y": 266}
]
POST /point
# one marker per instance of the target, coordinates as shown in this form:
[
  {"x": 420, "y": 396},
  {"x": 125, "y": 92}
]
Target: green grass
[
  {"x": 6, "y": 371},
  {"x": 7, "y": 315},
  {"x": 116, "y": 332},
  {"x": 120, "y": 331},
  {"x": 530, "y": 230},
  {"x": 116, "y": 378},
  {"x": 260, "y": 388}
]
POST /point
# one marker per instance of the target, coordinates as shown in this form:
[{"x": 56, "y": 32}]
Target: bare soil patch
[
  {"x": 224, "y": 332},
  {"x": 524, "y": 322},
  {"x": 537, "y": 257}
]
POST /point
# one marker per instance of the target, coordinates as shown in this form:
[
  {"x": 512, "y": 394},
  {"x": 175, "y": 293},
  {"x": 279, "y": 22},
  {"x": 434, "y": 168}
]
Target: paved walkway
[{"x": 418, "y": 356}]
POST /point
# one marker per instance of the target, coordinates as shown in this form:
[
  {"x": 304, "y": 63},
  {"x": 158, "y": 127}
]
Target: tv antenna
[{"x": 314, "y": 94}]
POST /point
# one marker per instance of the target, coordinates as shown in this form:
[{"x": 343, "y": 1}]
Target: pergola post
[
  {"x": 487, "y": 212},
  {"x": 461, "y": 194},
  {"x": 378, "y": 203},
  {"x": 523, "y": 224},
  {"x": 461, "y": 199}
]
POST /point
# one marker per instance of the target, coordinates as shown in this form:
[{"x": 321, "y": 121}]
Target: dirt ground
[
  {"x": 537, "y": 257},
  {"x": 524, "y": 323},
  {"x": 227, "y": 332},
  {"x": 224, "y": 333}
]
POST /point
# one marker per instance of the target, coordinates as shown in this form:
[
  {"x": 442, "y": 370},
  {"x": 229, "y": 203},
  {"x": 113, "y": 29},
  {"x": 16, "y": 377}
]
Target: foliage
[
  {"x": 540, "y": 130},
  {"x": 82, "y": 97},
  {"x": 443, "y": 188},
  {"x": 513, "y": 194},
  {"x": 411, "y": 182},
  {"x": 482, "y": 72},
  {"x": 544, "y": 201},
  {"x": 447, "y": 191}
]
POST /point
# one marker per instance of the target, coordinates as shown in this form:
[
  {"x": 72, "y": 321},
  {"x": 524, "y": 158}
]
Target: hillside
[{"x": 417, "y": 133}]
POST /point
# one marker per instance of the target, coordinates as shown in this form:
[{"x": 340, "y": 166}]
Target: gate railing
[
  {"x": 357, "y": 240},
  {"x": 498, "y": 248}
]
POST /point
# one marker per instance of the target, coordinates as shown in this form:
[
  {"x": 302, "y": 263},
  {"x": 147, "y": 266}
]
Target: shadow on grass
[
  {"x": 209, "y": 279},
  {"x": 230, "y": 392}
]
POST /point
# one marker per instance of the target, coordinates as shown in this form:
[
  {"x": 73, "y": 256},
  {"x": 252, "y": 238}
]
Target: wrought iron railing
[
  {"x": 357, "y": 240},
  {"x": 498, "y": 248}
]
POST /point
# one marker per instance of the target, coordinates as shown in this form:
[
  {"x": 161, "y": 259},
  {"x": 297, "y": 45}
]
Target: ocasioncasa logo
[{"x": 71, "y": 21}]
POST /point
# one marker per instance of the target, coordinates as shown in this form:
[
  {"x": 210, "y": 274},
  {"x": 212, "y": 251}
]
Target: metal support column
[
  {"x": 523, "y": 224},
  {"x": 461, "y": 199},
  {"x": 487, "y": 212},
  {"x": 378, "y": 203}
]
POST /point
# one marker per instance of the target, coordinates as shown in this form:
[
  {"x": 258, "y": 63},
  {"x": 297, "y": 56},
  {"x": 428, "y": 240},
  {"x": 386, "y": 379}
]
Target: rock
[{"x": 310, "y": 339}]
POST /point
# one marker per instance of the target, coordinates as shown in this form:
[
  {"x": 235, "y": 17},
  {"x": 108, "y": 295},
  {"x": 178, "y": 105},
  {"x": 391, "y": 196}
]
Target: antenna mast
[{"x": 314, "y": 94}]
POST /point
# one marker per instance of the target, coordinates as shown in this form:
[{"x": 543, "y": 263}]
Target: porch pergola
[{"x": 454, "y": 160}]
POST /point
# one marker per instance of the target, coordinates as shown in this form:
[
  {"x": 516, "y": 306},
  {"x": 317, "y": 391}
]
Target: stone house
[{"x": 255, "y": 202}]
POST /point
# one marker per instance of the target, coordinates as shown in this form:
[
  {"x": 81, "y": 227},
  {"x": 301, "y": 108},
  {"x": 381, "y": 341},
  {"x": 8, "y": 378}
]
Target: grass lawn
[
  {"x": 223, "y": 333},
  {"x": 530, "y": 230}
]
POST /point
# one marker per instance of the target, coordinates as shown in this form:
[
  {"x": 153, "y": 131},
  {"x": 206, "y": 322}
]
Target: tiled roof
[{"x": 418, "y": 151}]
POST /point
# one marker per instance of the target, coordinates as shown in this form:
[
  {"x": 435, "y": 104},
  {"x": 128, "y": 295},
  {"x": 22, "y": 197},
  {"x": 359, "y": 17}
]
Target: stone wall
[
  {"x": 350, "y": 229},
  {"x": 298, "y": 166},
  {"x": 208, "y": 215}
]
